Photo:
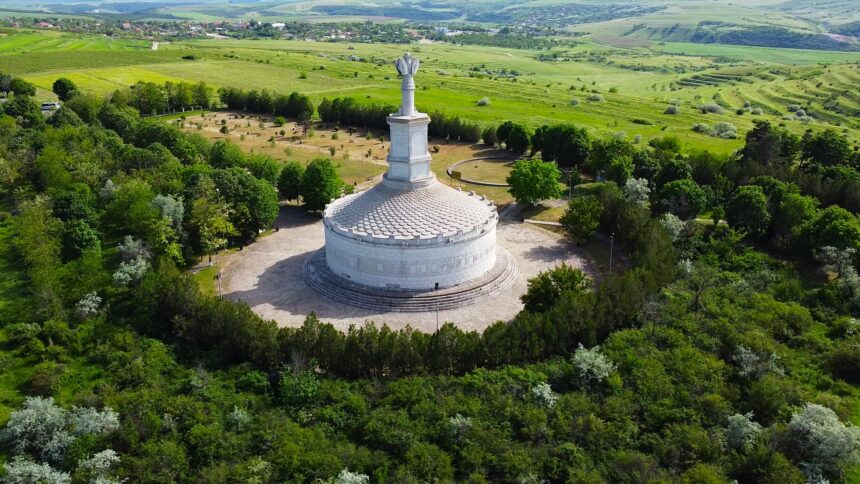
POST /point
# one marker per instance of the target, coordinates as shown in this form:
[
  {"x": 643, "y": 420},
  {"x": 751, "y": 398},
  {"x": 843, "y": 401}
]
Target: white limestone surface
[{"x": 268, "y": 276}]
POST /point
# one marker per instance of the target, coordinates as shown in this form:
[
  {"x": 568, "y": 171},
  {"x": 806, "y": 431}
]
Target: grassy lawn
[
  {"x": 544, "y": 213},
  {"x": 492, "y": 171},
  {"x": 207, "y": 280}
]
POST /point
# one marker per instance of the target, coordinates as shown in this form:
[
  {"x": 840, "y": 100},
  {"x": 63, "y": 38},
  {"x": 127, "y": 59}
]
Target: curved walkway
[{"x": 450, "y": 169}]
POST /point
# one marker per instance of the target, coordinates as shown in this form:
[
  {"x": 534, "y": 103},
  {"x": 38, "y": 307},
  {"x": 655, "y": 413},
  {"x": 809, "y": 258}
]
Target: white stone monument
[{"x": 409, "y": 233}]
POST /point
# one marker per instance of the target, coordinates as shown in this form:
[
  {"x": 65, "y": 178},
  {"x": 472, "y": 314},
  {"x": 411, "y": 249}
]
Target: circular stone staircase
[{"x": 317, "y": 275}]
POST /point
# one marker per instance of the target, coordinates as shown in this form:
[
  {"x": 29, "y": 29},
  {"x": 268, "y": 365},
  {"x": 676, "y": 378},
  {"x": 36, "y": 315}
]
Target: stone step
[{"x": 317, "y": 275}]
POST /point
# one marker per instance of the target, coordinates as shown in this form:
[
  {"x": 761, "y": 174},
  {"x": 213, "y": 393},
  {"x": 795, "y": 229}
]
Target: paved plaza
[{"x": 268, "y": 276}]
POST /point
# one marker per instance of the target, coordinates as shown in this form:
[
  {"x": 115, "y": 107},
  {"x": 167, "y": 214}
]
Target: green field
[
  {"x": 768, "y": 55},
  {"x": 31, "y": 41},
  {"x": 635, "y": 84}
]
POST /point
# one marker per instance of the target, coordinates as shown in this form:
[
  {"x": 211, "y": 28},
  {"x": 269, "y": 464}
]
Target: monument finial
[{"x": 407, "y": 66}]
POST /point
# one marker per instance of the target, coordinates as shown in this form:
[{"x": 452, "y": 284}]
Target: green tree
[
  {"x": 489, "y": 136},
  {"x": 22, "y": 88},
  {"x": 253, "y": 202},
  {"x": 518, "y": 139},
  {"x": 674, "y": 169},
  {"x": 567, "y": 144},
  {"x": 79, "y": 237},
  {"x": 86, "y": 106},
  {"x": 582, "y": 217},
  {"x": 644, "y": 165},
  {"x": 26, "y": 110},
  {"x": 290, "y": 180},
  {"x": 263, "y": 167},
  {"x": 545, "y": 288},
  {"x": 826, "y": 148},
  {"x": 666, "y": 148},
  {"x": 748, "y": 210},
  {"x": 298, "y": 388},
  {"x": 5, "y": 84},
  {"x": 64, "y": 117},
  {"x": 537, "y": 140},
  {"x": 768, "y": 145},
  {"x": 428, "y": 463},
  {"x": 201, "y": 95},
  {"x": 619, "y": 170},
  {"x": 209, "y": 217},
  {"x": 320, "y": 184},
  {"x": 130, "y": 210},
  {"x": 834, "y": 226},
  {"x": 534, "y": 180},
  {"x": 64, "y": 88},
  {"x": 150, "y": 98},
  {"x": 38, "y": 242},
  {"x": 794, "y": 212},
  {"x": 226, "y": 154},
  {"x": 504, "y": 131},
  {"x": 122, "y": 120},
  {"x": 684, "y": 198},
  {"x": 604, "y": 152}
]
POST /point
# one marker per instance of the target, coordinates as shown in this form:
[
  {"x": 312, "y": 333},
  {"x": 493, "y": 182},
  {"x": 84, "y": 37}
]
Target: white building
[{"x": 411, "y": 232}]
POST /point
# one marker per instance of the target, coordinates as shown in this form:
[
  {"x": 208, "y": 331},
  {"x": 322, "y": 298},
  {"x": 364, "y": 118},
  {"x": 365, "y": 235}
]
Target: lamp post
[
  {"x": 570, "y": 184},
  {"x": 611, "y": 247}
]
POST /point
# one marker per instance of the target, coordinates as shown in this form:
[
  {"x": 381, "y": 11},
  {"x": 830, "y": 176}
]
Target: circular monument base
[{"x": 317, "y": 275}]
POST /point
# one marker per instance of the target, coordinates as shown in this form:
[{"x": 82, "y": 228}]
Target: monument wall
[{"x": 399, "y": 266}]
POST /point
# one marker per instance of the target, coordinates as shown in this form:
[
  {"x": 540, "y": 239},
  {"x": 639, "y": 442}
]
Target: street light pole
[
  {"x": 570, "y": 185},
  {"x": 611, "y": 249}
]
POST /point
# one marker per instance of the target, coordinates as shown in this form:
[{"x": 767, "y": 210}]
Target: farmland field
[{"x": 609, "y": 90}]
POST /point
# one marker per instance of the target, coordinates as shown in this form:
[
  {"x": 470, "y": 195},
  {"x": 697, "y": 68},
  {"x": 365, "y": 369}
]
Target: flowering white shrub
[
  {"x": 636, "y": 190},
  {"x": 88, "y": 306},
  {"x": 753, "y": 365},
  {"x": 742, "y": 431},
  {"x": 39, "y": 427},
  {"x": 87, "y": 420},
  {"x": 171, "y": 208},
  {"x": 822, "y": 441},
  {"x": 22, "y": 470},
  {"x": 459, "y": 425},
  {"x": 107, "y": 190},
  {"x": 130, "y": 272},
  {"x": 98, "y": 467},
  {"x": 591, "y": 365},
  {"x": 238, "y": 418},
  {"x": 673, "y": 225},
  {"x": 544, "y": 395},
  {"x": 44, "y": 428},
  {"x": 131, "y": 249},
  {"x": 685, "y": 267},
  {"x": 842, "y": 263},
  {"x": 347, "y": 477}
]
